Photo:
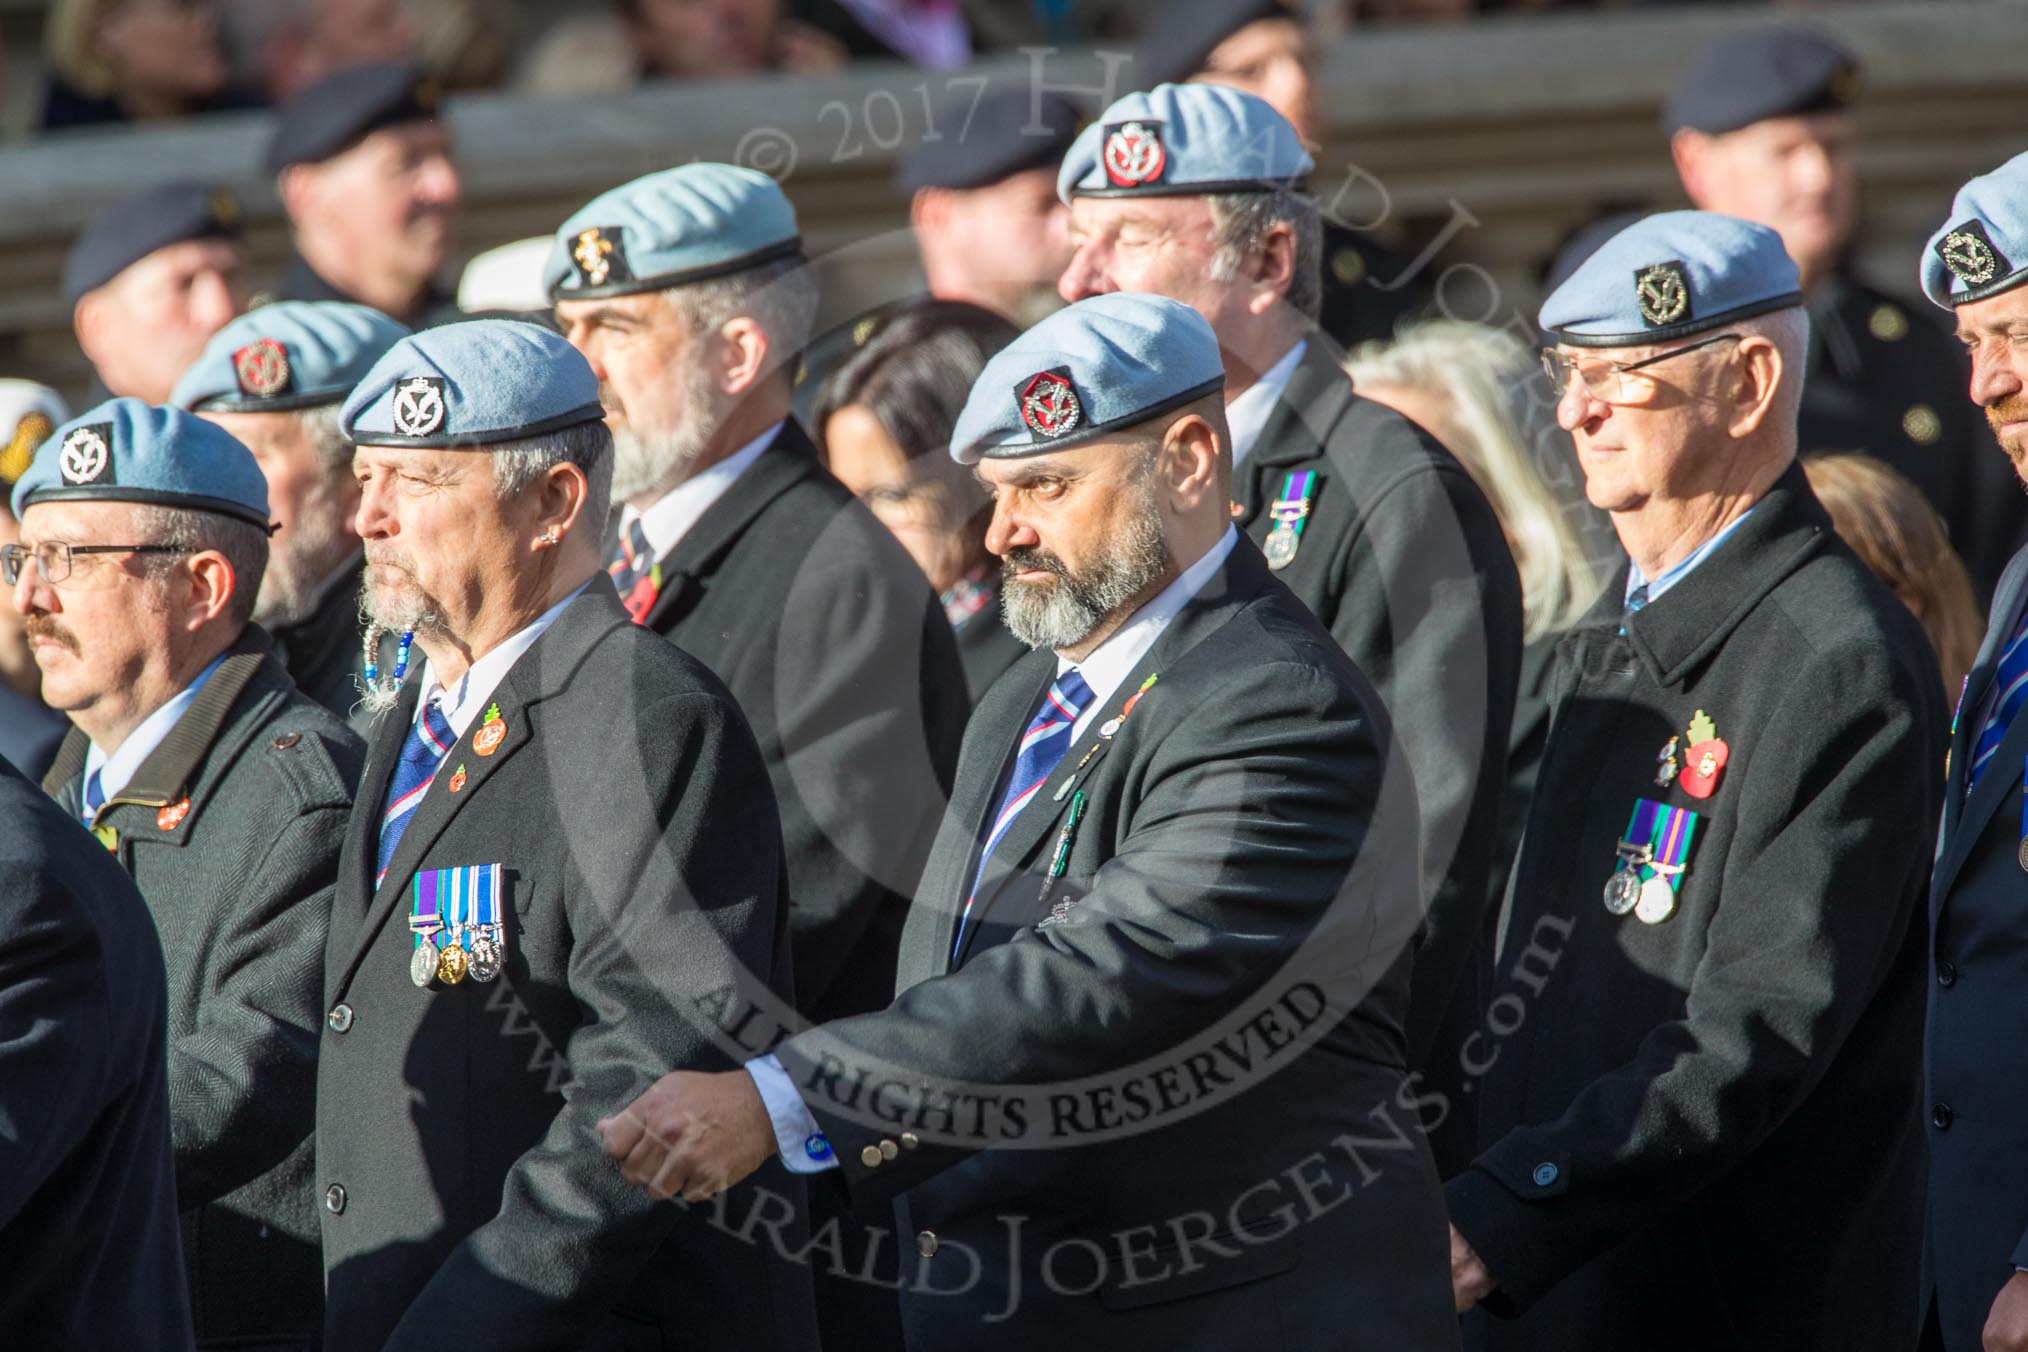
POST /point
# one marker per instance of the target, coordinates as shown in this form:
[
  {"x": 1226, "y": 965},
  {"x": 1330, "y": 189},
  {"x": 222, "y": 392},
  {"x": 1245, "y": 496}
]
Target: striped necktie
[
  {"x": 428, "y": 739},
  {"x": 1042, "y": 747},
  {"x": 2010, "y": 681},
  {"x": 634, "y": 572}
]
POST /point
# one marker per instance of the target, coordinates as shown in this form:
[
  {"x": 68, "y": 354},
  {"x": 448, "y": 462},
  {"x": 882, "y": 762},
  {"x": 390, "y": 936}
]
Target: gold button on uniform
[
  {"x": 870, "y": 1156},
  {"x": 926, "y": 1243},
  {"x": 287, "y": 740},
  {"x": 888, "y": 1150},
  {"x": 909, "y": 1140}
]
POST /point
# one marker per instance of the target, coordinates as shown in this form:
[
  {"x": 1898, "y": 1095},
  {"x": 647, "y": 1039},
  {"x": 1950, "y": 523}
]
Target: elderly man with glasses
[
  {"x": 224, "y": 791},
  {"x": 1700, "y": 1071}
]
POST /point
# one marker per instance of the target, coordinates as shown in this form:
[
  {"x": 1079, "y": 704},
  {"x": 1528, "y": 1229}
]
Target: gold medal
[
  {"x": 1657, "y": 903},
  {"x": 422, "y": 964},
  {"x": 451, "y": 965}
]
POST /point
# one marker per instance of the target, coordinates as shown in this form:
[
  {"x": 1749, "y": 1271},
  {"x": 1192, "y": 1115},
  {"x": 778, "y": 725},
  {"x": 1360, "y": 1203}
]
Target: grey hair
[
  {"x": 1240, "y": 222},
  {"x": 780, "y": 296},
  {"x": 324, "y": 432},
  {"x": 588, "y": 445},
  {"x": 190, "y": 531},
  {"x": 1789, "y": 331}
]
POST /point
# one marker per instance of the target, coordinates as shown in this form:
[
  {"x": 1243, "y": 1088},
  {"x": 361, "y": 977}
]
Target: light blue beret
[
  {"x": 1084, "y": 373},
  {"x": 1982, "y": 249},
  {"x": 1181, "y": 141},
  {"x": 1671, "y": 275},
  {"x": 127, "y": 450},
  {"x": 472, "y": 385},
  {"x": 291, "y": 355},
  {"x": 679, "y": 225}
]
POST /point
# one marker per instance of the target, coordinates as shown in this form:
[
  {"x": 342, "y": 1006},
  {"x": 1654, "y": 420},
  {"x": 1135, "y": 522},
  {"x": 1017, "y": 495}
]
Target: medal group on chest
[{"x": 1655, "y": 850}]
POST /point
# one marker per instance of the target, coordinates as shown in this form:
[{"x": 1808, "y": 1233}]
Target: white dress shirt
[
  {"x": 798, "y": 1139},
  {"x": 116, "y": 768},
  {"x": 460, "y": 704},
  {"x": 1246, "y": 413},
  {"x": 670, "y": 518}
]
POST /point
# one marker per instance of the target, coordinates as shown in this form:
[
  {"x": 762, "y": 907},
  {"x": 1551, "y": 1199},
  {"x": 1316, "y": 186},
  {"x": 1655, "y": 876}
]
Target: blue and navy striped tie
[
  {"x": 2011, "y": 681},
  {"x": 421, "y": 754},
  {"x": 1042, "y": 747}
]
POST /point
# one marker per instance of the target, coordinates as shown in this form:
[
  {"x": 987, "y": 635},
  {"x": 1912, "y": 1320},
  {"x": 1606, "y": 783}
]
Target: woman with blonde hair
[
  {"x": 1883, "y": 516},
  {"x": 1480, "y": 392}
]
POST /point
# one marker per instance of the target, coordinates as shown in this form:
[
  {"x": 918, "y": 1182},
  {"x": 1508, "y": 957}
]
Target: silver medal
[
  {"x": 1657, "y": 903},
  {"x": 422, "y": 964},
  {"x": 1281, "y": 545},
  {"x": 485, "y": 958},
  {"x": 1623, "y": 890}
]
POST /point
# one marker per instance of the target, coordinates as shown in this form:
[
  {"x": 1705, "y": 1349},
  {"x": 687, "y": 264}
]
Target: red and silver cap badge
[
  {"x": 262, "y": 368},
  {"x": 1133, "y": 153},
  {"x": 1049, "y": 406}
]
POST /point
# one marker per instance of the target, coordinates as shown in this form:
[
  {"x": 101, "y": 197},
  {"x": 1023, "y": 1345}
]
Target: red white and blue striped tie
[
  {"x": 2011, "y": 681},
  {"x": 1042, "y": 747},
  {"x": 421, "y": 754}
]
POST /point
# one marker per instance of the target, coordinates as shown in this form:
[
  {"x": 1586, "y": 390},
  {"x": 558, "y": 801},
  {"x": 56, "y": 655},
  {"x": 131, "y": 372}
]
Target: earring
[{"x": 550, "y": 536}]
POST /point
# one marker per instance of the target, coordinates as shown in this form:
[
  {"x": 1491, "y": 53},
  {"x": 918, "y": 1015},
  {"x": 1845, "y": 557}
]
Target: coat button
[
  {"x": 909, "y": 1140},
  {"x": 1946, "y": 975},
  {"x": 1940, "y": 1116},
  {"x": 888, "y": 1150},
  {"x": 926, "y": 1243},
  {"x": 287, "y": 740},
  {"x": 1545, "y": 1174},
  {"x": 334, "y": 1199},
  {"x": 340, "y": 1018},
  {"x": 871, "y": 1157}
]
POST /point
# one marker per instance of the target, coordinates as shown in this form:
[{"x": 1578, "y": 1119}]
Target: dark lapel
[
  {"x": 1312, "y": 402},
  {"x": 1965, "y": 818},
  {"x": 362, "y": 833},
  {"x": 995, "y": 727},
  {"x": 1693, "y": 619},
  {"x": 1244, "y": 573},
  {"x": 541, "y": 672},
  {"x": 165, "y": 776},
  {"x": 788, "y": 461}
]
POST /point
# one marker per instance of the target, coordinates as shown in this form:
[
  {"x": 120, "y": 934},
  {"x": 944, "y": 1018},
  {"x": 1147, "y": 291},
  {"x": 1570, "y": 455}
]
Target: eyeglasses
[
  {"x": 55, "y": 561},
  {"x": 1605, "y": 380}
]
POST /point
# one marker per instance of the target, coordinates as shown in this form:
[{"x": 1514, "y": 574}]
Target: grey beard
[
  {"x": 301, "y": 562},
  {"x": 649, "y": 467},
  {"x": 422, "y": 613},
  {"x": 1062, "y": 613}
]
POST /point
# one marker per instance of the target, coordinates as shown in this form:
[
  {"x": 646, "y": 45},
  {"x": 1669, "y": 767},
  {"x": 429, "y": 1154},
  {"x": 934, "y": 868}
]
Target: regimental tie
[
  {"x": 2011, "y": 680},
  {"x": 94, "y": 798},
  {"x": 428, "y": 739},
  {"x": 634, "y": 571},
  {"x": 1042, "y": 747}
]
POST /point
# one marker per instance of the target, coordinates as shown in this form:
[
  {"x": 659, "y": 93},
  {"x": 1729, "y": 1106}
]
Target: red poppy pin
[{"x": 1703, "y": 759}]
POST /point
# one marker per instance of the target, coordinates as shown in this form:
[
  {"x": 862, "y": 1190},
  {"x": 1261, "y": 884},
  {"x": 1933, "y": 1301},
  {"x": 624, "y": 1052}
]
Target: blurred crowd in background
[{"x": 106, "y": 61}]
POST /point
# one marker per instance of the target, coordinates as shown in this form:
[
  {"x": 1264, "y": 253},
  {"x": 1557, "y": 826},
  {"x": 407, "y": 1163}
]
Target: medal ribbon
[
  {"x": 1292, "y": 509},
  {"x": 1666, "y": 832},
  {"x": 424, "y": 916}
]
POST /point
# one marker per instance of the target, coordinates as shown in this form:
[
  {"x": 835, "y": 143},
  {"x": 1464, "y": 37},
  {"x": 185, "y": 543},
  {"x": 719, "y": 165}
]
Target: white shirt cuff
[{"x": 798, "y": 1140}]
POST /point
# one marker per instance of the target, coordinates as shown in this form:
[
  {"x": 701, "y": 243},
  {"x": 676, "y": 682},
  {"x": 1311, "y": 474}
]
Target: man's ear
[
  {"x": 565, "y": 490},
  {"x": 212, "y": 584},
  {"x": 1190, "y": 460},
  {"x": 297, "y": 187},
  {"x": 1761, "y": 372},
  {"x": 930, "y": 207},
  {"x": 88, "y": 320},
  {"x": 1690, "y": 150},
  {"x": 743, "y": 351},
  {"x": 1272, "y": 268}
]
